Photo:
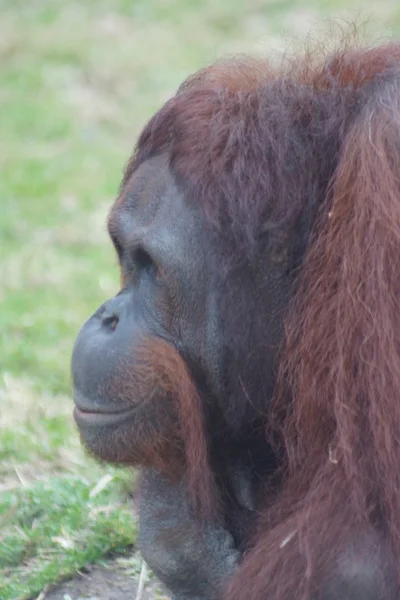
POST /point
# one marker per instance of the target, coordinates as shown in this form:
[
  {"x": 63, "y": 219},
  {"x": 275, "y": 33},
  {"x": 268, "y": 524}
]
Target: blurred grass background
[{"x": 78, "y": 79}]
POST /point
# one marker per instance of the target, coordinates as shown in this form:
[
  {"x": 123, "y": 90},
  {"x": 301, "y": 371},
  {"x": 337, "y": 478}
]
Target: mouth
[
  {"x": 91, "y": 413},
  {"x": 99, "y": 419}
]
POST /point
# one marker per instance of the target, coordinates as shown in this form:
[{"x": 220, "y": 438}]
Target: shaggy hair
[{"x": 311, "y": 148}]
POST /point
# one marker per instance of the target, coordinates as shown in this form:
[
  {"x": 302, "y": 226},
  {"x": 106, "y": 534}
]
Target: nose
[{"x": 112, "y": 312}]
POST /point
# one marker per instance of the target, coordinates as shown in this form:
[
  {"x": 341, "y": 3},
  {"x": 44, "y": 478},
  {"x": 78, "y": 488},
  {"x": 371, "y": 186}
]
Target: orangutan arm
[{"x": 194, "y": 560}]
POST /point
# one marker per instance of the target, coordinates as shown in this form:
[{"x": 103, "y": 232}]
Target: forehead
[
  {"x": 144, "y": 190},
  {"x": 153, "y": 209}
]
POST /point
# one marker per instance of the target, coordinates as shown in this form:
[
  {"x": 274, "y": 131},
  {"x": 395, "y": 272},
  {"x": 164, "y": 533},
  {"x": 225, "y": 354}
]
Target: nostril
[
  {"x": 111, "y": 313},
  {"x": 109, "y": 320}
]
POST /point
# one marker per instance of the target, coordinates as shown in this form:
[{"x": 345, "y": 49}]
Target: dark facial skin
[{"x": 170, "y": 282}]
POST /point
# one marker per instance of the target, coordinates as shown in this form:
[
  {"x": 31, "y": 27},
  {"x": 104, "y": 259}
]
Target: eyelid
[{"x": 134, "y": 256}]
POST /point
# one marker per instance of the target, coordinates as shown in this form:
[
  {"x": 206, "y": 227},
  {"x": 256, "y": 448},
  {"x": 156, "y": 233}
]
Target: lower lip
[{"x": 98, "y": 419}]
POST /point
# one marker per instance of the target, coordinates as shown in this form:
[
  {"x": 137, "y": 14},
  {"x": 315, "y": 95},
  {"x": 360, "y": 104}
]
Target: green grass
[
  {"x": 78, "y": 79},
  {"x": 52, "y": 529}
]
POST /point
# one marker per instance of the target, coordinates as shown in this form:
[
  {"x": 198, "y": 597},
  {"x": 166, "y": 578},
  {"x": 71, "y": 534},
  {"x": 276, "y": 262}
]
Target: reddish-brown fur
[
  {"x": 167, "y": 371},
  {"x": 182, "y": 446},
  {"x": 236, "y": 137}
]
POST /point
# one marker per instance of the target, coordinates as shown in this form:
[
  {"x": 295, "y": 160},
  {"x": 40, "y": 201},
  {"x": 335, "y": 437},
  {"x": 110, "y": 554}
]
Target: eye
[{"x": 144, "y": 263}]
